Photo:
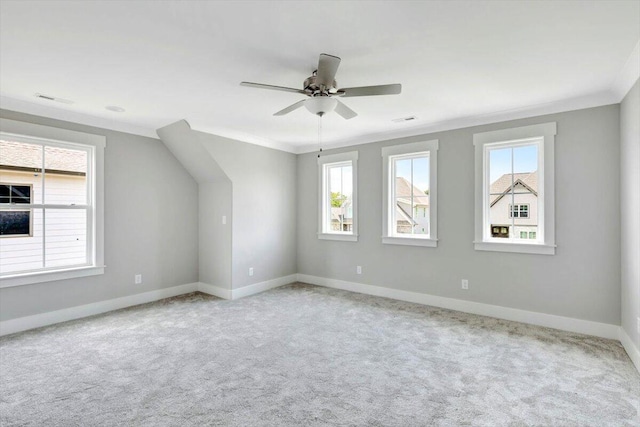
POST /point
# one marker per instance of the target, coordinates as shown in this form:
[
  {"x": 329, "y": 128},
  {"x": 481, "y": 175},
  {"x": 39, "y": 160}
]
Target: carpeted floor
[{"x": 302, "y": 355}]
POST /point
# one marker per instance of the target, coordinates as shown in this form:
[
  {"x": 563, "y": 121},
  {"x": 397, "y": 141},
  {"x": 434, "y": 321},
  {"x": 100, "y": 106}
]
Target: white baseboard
[
  {"x": 216, "y": 291},
  {"x": 245, "y": 291},
  {"x": 37, "y": 320},
  {"x": 587, "y": 327},
  {"x": 541, "y": 319},
  {"x": 45, "y": 319},
  {"x": 630, "y": 348}
]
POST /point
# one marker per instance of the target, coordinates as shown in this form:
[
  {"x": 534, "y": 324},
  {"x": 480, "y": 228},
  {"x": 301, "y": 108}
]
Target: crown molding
[
  {"x": 588, "y": 101},
  {"x": 623, "y": 83},
  {"x": 26, "y": 107},
  {"x": 628, "y": 75}
]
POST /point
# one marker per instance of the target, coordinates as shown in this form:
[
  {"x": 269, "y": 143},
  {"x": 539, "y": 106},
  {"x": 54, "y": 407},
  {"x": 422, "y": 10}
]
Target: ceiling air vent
[
  {"x": 404, "y": 119},
  {"x": 52, "y": 98}
]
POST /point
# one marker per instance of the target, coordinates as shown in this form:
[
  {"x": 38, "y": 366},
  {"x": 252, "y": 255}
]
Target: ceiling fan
[{"x": 321, "y": 88}]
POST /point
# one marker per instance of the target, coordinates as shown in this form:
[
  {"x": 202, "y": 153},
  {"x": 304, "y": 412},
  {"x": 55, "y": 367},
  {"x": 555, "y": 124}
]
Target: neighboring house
[
  {"x": 21, "y": 230},
  {"x": 408, "y": 218},
  {"x": 342, "y": 217},
  {"x": 412, "y": 208},
  {"x": 514, "y": 214}
]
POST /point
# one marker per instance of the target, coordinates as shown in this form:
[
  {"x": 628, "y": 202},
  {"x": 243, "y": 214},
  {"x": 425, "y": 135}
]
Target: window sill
[
  {"x": 49, "y": 276},
  {"x": 341, "y": 237},
  {"x": 411, "y": 241},
  {"x": 523, "y": 248}
]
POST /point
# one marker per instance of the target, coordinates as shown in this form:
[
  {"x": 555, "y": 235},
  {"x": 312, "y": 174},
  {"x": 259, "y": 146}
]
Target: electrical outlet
[
  {"x": 465, "y": 284},
  {"x": 250, "y": 271},
  {"x": 137, "y": 279},
  {"x": 359, "y": 269},
  {"x": 224, "y": 219}
]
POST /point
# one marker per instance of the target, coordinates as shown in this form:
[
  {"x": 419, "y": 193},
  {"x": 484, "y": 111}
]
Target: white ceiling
[{"x": 459, "y": 63}]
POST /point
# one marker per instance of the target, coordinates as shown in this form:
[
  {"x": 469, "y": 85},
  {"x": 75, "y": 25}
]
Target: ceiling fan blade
[
  {"x": 327, "y": 68},
  {"x": 272, "y": 87},
  {"x": 344, "y": 111},
  {"x": 393, "y": 89},
  {"x": 290, "y": 108}
]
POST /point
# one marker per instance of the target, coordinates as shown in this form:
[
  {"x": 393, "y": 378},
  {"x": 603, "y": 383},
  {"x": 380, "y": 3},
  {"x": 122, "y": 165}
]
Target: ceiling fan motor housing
[{"x": 311, "y": 86}]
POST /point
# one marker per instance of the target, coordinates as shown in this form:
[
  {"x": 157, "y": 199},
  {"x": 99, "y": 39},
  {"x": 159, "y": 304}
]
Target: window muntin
[
  {"x": 60, "y": 205},
  {"x": 338, "y": 196},
  {"x": 410, "y": 194},
  {"x": 515, "y": 167}
]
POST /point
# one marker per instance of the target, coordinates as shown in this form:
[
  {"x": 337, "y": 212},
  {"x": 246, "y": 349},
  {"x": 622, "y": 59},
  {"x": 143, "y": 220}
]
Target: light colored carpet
[{"x": 302, "y": 355}]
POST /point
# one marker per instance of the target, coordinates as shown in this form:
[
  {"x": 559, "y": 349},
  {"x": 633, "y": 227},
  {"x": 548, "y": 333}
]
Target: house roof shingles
[
  {"x": 21, "y": 155},
  {"x": 404, "y": 190},
  {"x": 502, "y": 185}
]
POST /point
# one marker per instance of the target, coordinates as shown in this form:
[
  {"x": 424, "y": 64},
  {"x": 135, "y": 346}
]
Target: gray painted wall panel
[
  {"x": 264, "y": 208},
  {"x": 215, "y": 237},
  {"x": 582, "y": 280},
  {"x": 630, "y": 210},
  {"x": 151, "y": 227}
]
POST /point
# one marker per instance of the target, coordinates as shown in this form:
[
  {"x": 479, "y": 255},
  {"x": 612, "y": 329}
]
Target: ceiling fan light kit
[
  {"x": 321, "y": 88},
  {"x": 320, "y": 105}
]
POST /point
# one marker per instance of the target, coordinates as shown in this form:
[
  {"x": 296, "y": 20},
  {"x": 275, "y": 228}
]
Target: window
[
  {"x": 338, "y": 202},
  {"x": 514, "y": 206},
  {"x": 50, "y": 203},
  {"x": 499, "y": 231},
  {"x": 410, "y": 190},
  {"x": 14, "y": 223},
  {"x": 518, "y": 211}
]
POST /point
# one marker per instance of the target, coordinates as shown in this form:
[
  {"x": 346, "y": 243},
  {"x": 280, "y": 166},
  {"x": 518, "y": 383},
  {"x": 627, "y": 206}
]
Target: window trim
[
  {"x": 545, "y": 133},
  {"x": 388, "y": 155},
  {"x": 95, "y": 143},
  {"x": 325, "y": 161}
]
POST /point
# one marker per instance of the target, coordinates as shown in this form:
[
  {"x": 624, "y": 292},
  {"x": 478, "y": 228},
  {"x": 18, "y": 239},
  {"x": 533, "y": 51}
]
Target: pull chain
[{"x": 319, "y": 135}]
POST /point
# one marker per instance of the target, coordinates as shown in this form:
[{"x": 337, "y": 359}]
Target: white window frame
[
  {"x": 389, "y": 154},
  {"x": 544, "y": 134},
  {"x": 94, "y": 145},
  {"x": 324, "y": 202}
]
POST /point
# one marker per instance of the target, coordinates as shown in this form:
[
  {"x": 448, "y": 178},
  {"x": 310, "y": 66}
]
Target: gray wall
[
  {"x": 260, "y": 185},
  {"x": 214, "y": 201},
  {"x": 582, "y": 280},
  {"x": 630, "y": 211},
  {"x": 215, "y": 246},
  {"x": 264, "y": 208},
  {"x": 151, "y": 227}
]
